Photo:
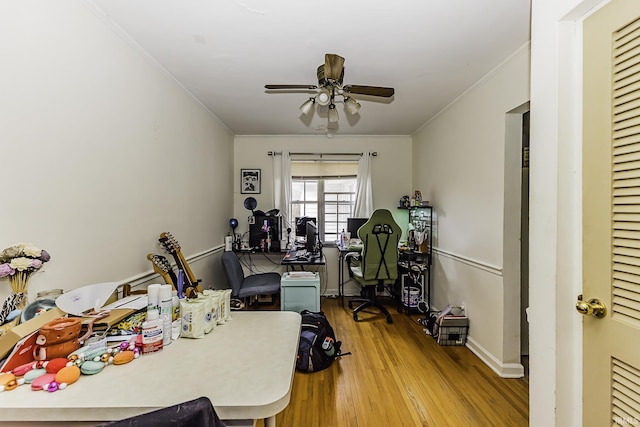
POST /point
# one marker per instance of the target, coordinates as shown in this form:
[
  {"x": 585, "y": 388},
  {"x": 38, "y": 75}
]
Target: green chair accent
[{"x": 378, "y": 267}]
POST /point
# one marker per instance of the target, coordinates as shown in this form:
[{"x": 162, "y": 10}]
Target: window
[
  {"x": 304, "y": 198},
  {"x": 330, "y": 199},
  {"x": 339, "y": 198}
]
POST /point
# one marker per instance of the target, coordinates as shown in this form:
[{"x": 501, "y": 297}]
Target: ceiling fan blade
[
  {"x": 370, "y": 90},
  {"x": 307, "y": 87},
  {"x": 333, "y": 66}
]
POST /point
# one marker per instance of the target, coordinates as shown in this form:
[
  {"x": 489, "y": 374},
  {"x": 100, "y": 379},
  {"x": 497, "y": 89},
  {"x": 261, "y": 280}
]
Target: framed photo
[{"x": 250, "y": 181}]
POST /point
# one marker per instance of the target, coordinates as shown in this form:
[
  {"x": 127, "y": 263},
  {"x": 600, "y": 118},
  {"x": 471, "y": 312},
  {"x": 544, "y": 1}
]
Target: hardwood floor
[{"x": 399, "y": 376}]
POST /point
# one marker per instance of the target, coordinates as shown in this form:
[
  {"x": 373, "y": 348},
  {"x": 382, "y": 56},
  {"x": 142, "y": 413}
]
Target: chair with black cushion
[
  {"x": 194, "y": 413},
  {"x": 378, "y": 264},
  {"x": 251, "y": 285}
]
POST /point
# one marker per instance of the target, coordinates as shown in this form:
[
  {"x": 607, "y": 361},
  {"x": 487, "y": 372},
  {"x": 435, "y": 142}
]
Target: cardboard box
[
  {"x": 15, "y": 334},
  {"x": 115, "y": 316}
]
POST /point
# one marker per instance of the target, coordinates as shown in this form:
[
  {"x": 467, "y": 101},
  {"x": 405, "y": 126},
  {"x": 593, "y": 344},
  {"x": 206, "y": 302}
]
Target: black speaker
[{"x": 265, "y": 228}]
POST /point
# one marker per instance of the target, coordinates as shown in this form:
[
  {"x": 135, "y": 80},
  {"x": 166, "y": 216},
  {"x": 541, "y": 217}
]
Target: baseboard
[{"x": 504, "y": 370}]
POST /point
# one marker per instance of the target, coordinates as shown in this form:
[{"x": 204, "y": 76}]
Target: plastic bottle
[
  {"x": 175, "y": 306},
  {"x": 153, "y": 295},
  {"x": 343, "y": 239},
  {"x": 327, "y": 346},
  {"x": 166, "y": 309},
  {"x": 152, "y": 333}
]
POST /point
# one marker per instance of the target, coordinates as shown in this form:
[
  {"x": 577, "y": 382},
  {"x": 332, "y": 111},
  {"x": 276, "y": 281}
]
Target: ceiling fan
[{"x": 330, "y": 84}]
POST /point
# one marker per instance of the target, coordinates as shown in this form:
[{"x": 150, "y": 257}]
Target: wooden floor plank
[{"x": 399, "y": 376}]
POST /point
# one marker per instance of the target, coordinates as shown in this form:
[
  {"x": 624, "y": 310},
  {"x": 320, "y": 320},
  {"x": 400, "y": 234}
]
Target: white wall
[
  {"x": 459, "y": 162},
  {"x": 391, "y": 176},
  {"x": 101, "y": 151}
]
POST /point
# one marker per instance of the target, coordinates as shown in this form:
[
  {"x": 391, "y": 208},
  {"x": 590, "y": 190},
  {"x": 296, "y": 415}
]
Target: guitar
[
  {"x": 162, "y": 267},
  {"x": 172, "y": 246}
]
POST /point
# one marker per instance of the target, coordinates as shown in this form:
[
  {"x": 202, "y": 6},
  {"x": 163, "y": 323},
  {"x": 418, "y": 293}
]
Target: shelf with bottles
[
  {"x": 420, "y": 218},
  {"x": 419, "y": 229}
]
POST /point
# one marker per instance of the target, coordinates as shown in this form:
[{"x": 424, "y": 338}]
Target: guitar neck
[
  {"x": 166, "y": 277},
  {"x": 173, "y": 247},
  {"x": 192, "y": 277},
  {"x": 180, "y": 263},
  {"x": 162, "y": 267}
]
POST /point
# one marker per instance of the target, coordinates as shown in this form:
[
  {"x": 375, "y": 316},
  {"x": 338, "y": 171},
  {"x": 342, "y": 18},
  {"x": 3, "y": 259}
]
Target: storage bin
[
  {"x": 411, "y": 295},
  {"x": 453, "y": 330},
  {"x": 300, "y": 293}
]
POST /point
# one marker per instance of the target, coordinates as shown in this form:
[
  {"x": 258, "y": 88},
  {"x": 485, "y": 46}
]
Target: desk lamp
[{"x": 234, "y": 224}]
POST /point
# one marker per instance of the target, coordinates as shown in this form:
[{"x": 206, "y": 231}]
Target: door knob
[{"x": 594, "y": 307}]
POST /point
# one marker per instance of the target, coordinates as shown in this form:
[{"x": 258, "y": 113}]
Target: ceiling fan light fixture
[
  {"x": 307, "y": 105},
  {"x": 324, "y": 97},
  {"x": 333, "y": 114},
  {"x": 351, "y": 105},
  {"x": 330, "y": 85}
]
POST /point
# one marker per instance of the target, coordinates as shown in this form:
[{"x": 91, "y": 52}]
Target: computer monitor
[
  {"x": 265, "y": 228},
  {"x": 353, "y": 224},
  {"x": 311, "y": 233},
  {"x": 301, "y": 228}
]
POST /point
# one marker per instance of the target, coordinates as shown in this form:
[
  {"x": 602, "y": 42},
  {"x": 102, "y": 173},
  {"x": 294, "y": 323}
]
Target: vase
[
  {"x": 20, "y": 286},
  {"x": 21, "y": 301},
  {"x": 13, "y": 302}
]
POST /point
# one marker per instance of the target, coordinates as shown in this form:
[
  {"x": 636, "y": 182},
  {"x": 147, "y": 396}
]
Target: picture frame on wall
[{"x": 250, "y": 180}]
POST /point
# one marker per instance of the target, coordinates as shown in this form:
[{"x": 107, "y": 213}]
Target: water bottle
[{"x": 327, "y": 346}]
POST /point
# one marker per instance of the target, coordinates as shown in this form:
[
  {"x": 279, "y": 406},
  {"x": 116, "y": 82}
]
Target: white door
[{"x": 611, "y": 215}]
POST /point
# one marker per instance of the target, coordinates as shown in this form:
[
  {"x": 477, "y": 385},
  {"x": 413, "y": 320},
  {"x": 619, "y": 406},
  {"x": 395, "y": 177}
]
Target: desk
[
  {"x": 245, "y": 367},
  {"x": 290, "y": 261},
  {"x": 342, "y": 252}
]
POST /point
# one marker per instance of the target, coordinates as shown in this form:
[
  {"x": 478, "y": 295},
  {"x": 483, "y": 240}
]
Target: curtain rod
[{"x": 279, "y": 153}]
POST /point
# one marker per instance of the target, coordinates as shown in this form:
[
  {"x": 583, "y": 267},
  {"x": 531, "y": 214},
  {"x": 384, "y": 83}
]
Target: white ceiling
[{"x": 225, "y": 51}]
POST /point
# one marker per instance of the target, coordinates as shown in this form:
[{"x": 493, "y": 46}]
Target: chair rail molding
[
  {"x": 493, "y": 269},
  {"x": 143, "y": 278}
]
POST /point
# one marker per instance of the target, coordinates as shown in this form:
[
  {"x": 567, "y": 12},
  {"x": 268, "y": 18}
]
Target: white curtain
[
  {"x": 364, "y": 197},
  {"x": 282, "y": 189}
]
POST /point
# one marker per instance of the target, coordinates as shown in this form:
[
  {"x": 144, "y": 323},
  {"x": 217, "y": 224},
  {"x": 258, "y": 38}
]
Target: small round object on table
[
  {"x": 8, "y": 381},
  {"x": 123, "y": 357},
  {"x": 68, "y": 375},
  {"x": 54, "y": 365},
  {"x": 91, "y": 367},
  {"x": 42, "y": 381},
  {"x": 22, "y": 369},
  {"x": 33, "y": 374}
]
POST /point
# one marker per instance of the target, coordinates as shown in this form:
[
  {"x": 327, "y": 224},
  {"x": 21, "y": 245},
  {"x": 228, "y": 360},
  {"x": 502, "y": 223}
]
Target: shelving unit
[{"x": 415, "y": 262}]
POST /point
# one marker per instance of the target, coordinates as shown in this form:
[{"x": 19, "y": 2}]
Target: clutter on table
[{"x": 80, "y": 336}]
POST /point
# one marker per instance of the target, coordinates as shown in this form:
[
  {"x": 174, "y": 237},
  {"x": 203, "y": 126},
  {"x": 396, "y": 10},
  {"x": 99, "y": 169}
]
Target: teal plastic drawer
[{"x": 299, "y": 293}]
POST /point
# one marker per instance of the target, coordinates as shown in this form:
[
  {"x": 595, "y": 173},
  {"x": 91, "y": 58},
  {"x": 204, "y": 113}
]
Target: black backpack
[{"x": 318, "y": 346}]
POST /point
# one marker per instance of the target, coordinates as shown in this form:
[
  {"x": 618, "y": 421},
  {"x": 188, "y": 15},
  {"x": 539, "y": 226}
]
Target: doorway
[
  {"x": 516, "y": 238},
  {"x": 524, "y": 247}
]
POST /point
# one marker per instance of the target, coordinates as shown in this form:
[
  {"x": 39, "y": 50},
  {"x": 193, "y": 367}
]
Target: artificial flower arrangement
[{"x": 18, "y": 263}]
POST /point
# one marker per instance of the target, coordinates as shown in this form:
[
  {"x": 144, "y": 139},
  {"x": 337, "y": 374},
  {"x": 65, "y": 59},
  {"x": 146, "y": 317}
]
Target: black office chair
[
  {"x": 378, "y": 264},
  {"x": 249, "y": 286},
  {"x": 194, "y": 413}
]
